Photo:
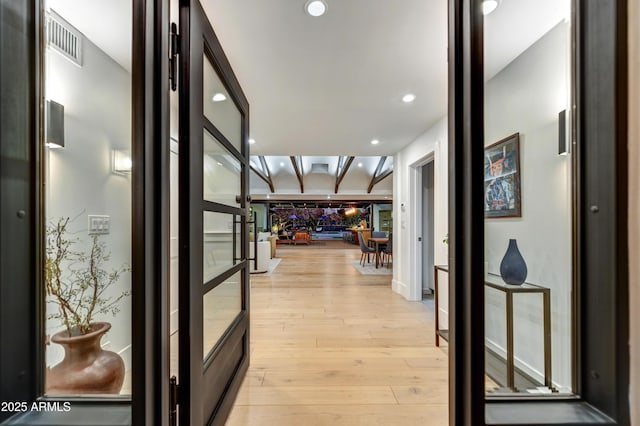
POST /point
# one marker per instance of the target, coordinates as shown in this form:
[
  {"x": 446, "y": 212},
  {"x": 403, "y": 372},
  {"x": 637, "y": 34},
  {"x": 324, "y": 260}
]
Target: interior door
[{"x": 213, "y": 204}]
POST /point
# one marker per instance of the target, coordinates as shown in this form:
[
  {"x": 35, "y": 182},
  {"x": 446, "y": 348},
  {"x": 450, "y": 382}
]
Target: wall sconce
[
  {"x": 121, "y": 162},
  {"x": 54, "y": 116},
  {"x": 564, "y": 145}
]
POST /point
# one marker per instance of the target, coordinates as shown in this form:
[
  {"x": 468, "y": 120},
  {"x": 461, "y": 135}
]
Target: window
[
  {"x": 36, "y": 181},
  {"x": 87, "y": 199},
  {"x": 591, "y": 380},
  {"x": 528, "y": 201}
]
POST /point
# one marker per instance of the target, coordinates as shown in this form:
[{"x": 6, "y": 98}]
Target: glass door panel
[
  {"x": 221, "y": 244},
  {"x": 87, "y": 199},
  {"x": 528, "y": 182},
  {"x": 220, "y": 307},
  {"x": 219, "y": 107},
  {"x": 221, "y": 173}
]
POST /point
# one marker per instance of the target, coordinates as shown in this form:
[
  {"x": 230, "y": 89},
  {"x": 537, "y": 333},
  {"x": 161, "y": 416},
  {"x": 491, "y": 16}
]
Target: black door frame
[
  {"x": 466, "y": 216},
  {"x": 601, "y": 257},
  {"x": 21, "y": 375},
  {"x": 150, "y": 213}
]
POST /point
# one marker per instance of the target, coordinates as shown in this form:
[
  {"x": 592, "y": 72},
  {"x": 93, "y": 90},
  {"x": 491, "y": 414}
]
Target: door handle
[{"x": 248, "y": 198}]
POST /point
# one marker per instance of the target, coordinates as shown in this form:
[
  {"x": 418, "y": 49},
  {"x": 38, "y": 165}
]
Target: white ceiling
[
  {"x": 107, "y": 23},
  {"x": 327, "y": 86},
  {"x": 514, "y": 26}
]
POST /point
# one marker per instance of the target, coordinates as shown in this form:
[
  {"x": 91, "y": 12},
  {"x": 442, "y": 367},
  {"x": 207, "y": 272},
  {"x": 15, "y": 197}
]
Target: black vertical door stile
[{"x": 213, "y": 352}]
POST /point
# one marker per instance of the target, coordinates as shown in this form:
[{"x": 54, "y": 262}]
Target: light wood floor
[{"x": 330, "y": 346}]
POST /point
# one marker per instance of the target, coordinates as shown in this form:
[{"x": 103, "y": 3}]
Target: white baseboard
[
  {"x": 401, "y": 288},
  {"x": 525, "y": 367},
  {"x": 519, "y": 363}
]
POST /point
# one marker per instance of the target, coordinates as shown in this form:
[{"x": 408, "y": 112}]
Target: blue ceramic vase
[{"x": 513, "y": 269}]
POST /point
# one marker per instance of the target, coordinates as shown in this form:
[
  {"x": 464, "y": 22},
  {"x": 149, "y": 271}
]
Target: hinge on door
[
  {"x": 173, "y": 400},
  {"x": 174, "y": 51}
]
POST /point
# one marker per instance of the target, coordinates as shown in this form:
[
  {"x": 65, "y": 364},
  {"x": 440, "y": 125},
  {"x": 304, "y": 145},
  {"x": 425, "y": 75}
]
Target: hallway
[{"x": 330, "y": 346}]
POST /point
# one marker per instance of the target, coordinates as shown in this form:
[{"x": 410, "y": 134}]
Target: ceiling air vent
[
  {"x": 65, "y": 39},
  {"x": 319, "y": 168}
]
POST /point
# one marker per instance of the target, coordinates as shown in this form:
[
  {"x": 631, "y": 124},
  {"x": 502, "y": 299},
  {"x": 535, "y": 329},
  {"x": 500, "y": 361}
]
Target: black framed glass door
[{"x": 213, "y": 183}]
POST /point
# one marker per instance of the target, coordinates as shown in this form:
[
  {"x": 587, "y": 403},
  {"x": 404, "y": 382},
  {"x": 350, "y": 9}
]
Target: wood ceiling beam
[
  {"x": 377, "y": 177},
  {"x": 341, "y": 173},
  {"x": 298, "y": 170},
  {"x": 264, "y": 165},
  {"x": 264, "y": 177},
  {"x": 267, "y": 172}
]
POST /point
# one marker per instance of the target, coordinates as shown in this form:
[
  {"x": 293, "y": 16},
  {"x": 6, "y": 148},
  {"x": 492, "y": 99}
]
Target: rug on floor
[{"x": 370, "y": 269}]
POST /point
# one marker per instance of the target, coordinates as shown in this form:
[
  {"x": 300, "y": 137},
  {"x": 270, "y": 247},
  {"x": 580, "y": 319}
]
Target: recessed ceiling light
[
  {"x": 329, "y": 196},
  {"x": 315, "y": 8},
  {"x": 219, "y": 163},
  {"x": 281, "y": 164},
  {"x": 359, "y": 164},
  {"x": 409, "y": 97},
  {"x": 375, "y": 142},
  {"x": 489, "y": 6},
  {"x": 219, "y": 97},
  {"x": 252, "y": 141}
]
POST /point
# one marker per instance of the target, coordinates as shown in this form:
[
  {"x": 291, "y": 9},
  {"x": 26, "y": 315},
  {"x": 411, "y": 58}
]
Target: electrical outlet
[{"x": 99, "y": 224}]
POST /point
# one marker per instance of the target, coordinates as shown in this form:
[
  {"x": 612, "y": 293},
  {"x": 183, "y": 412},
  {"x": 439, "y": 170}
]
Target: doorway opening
[{"x": 428, "y": 227}]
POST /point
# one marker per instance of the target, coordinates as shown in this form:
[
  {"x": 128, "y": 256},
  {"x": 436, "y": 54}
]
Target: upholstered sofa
[
  {"x": 263, "y": 256},
  {"x": 301, "y": 238},
  {"x": 266, "y": 236}
]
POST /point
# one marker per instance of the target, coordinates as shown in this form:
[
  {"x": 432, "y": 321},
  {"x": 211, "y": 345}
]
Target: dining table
[{"x": 377, "y": 241}]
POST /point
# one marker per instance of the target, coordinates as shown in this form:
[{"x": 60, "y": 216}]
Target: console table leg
[{"x": 510, "y": 355}]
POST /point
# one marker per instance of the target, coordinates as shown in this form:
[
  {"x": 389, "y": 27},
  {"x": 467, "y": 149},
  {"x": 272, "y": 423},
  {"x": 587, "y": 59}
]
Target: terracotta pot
[{"x": 86, "y": 367}]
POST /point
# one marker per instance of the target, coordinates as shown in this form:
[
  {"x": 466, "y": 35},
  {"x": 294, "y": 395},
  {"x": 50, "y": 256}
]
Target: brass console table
[
  {"x": 439, "y": 333},
  {"x": 496, "y": 282}
]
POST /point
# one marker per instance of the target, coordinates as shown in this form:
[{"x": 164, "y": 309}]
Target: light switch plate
[{"x": 99, "y": 224}]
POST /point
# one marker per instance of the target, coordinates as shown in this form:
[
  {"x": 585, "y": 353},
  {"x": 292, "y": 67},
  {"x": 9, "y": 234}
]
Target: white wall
[
  {"x": 526, "y": 97},
  {"x": 406, "y": 207},
  {"x": 97, "y": 102}
]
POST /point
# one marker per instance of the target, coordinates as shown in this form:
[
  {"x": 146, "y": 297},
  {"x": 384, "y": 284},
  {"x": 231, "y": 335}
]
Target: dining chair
[
  {"x": 364, "y": 249},
  {"x": 387, "y": 252}
]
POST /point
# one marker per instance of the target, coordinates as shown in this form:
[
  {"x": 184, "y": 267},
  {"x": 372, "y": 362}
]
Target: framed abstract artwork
[{"x": 502, "y": 196}]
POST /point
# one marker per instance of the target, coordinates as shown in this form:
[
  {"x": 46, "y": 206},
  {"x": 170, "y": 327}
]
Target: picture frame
[{"x": 502, "y": 193}]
